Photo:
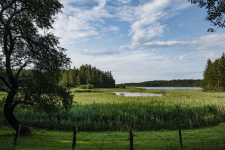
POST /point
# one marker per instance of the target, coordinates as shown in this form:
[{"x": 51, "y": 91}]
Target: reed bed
[{"x": 108, "y": 112}]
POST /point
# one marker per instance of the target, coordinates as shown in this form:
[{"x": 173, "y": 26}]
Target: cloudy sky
[{"x": 139, "y": 40}]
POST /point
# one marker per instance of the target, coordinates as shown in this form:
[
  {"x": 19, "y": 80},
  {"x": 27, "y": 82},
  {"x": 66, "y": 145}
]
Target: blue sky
[{"x": 139, "y": 40}]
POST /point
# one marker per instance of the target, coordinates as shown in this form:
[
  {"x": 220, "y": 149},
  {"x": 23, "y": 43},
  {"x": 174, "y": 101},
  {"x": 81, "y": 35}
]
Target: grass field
[
  {"x": 154, "y": 116},
  {"x": 211, "y": 138}
]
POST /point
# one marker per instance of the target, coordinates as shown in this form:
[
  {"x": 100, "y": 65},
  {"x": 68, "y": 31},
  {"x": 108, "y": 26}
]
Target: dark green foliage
[
  {"x": 89, "y": 86},
  {"x": 82, "y": 87},
  {"x": 21, "y": 47},
  {"x": 215, "y": 10},
  {"x": 122, "y": 86},
  {"x": 87, "y": 75},
  {"x": 214, "y": 75},
  {"x": 164, "y": 83}
]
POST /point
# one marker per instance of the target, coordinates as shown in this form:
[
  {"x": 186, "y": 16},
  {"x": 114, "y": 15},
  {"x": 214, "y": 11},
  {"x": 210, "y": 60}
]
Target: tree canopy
[
  {"x": 87, "y": 74},
  {"x": 22, "y": 46},
  {"x": 214, "y": 75},
  {"x": 215, "y": 10},
  {"x": 168, "y": 83}
]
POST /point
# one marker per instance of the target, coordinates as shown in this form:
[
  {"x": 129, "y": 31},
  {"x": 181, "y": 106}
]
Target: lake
[
  {"x": 134, "y": 94},
  {"x": 171, "y": 88}
]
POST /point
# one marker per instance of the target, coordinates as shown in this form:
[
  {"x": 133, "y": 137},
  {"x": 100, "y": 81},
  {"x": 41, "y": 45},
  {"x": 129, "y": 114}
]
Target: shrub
[
  {"x": 83, "y": 87},
  {"x": 122, "y": 86},
  {"x": 89, "y": 86}
]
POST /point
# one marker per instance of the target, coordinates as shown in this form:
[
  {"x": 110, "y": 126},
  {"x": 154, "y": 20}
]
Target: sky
[{"x": 139, "y": 40}]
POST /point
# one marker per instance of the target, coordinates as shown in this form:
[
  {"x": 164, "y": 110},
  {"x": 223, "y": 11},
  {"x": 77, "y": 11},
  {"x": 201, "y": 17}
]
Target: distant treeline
[
  {"x": 166, "y": 83},
  {"x": 87, "y": 75},
  {"x": 214, "y": 75}
]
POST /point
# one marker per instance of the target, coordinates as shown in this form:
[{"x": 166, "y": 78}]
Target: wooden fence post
[
  {"x": 17, "y": 135},
  {"x": 74, "y": 137},
  {"x": 131, "y": 139},
  {"x": 180, "y": 137}
]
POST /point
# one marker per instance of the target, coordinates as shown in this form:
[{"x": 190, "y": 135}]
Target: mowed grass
[{"x": 205, "y": 138}]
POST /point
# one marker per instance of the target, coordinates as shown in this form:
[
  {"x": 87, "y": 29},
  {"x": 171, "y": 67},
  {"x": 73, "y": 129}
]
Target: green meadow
[
  {"x": 211, "y": 138},
  {"x": 104, "y": 119}
]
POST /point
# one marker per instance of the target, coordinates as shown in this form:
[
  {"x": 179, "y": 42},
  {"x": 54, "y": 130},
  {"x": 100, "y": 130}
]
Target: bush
[
  {"x": 89, "y": 86},
  {"x": 122, "y": 86},
  {"x": 83, "y": 87}
]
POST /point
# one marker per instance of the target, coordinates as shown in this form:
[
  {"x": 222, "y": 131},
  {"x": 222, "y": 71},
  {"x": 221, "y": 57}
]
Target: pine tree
[{"x": 206, "y": 83}]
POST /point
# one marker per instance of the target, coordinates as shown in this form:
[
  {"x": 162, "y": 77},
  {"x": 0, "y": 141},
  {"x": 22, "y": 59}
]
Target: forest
[
  {"x": 168, "y": 83},
  {"x": 87, "y": 74},
  {"x": 214, "y": 75}
]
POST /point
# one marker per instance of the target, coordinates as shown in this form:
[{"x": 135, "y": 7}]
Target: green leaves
[
  {"x": 214, "y": 75},
  {"x": 42, "y": 91},
  {"x": 215, "y": 10}
]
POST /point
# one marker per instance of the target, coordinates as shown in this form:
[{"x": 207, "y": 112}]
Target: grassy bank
[{"x": 205, "y": 138}]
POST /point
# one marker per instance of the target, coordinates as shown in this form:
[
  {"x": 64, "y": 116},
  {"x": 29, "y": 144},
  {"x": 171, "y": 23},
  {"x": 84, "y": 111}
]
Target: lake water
[
  {"x": 171, "y": 88},
  {"x": 131, "y": 94}
]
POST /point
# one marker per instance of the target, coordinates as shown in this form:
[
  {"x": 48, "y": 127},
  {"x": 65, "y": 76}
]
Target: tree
[
  {"x": 214, "y": 75},
  {"x": 23, "y": 47},
  {"x": 207, "y": 81},
  {"x": 215, "y": 10}
]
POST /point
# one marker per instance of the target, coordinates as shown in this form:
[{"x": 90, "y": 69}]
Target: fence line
[{"x": 130, "y": 139}]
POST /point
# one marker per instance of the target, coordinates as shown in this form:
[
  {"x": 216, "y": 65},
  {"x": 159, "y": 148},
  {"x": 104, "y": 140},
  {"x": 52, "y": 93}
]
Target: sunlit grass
[
  {"x": 99, "y": 111},
  {"x": 205, "y": 138}
]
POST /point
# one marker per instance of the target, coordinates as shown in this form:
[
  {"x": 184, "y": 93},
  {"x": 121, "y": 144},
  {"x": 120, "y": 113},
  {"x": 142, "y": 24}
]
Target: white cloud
[
  {"x": 80, "y": 22},
  {"x": 120, "y": 36},
  {"x": 144, "y": 35},
  {"x": 170, "y": 44},
  {"x": 185, "y": 56},
  {"x": 154, "y": 50},
  {"x": 125, "y": 13},
  {"x": 114, "y": 28},
  {"x": 95, "y": 53},
  {"x": 145, "y": 20},
  {"x": 181, "y": 24},
  {"x": 124, "y": 1},
  {"x": 203, "y": 43}
]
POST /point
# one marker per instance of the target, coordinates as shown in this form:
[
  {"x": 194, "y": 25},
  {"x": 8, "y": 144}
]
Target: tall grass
[{"x": 108, "y": 112}]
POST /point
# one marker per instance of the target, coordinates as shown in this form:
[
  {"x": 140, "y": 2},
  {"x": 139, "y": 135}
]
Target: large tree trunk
[{"x": 8, "y": 112}]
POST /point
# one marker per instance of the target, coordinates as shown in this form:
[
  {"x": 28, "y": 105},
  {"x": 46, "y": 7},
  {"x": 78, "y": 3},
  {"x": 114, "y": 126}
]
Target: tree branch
[
  {"x": 21, "y": 102},
  {"x": 3, "y": 9},
  {"x": 24, "y": 88},
  {"x": 3, "y": 79},
  {"x": 11, "y": 43},
  {"x": 17, "y": 12},
  {"x": 24, "y": 65},
  {"x": 4, "y": 90}
]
